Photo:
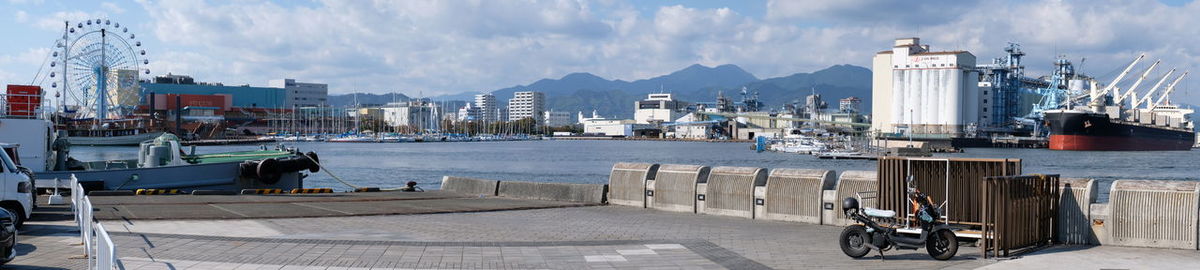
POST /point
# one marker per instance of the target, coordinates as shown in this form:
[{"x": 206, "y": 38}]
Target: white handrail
[
  {"x": 106, "y": 252},
  {"x": 98, "y": 246}
]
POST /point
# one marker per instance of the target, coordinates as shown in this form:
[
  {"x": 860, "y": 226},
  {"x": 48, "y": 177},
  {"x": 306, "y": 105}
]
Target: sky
[{"x": 431, "y": 48}]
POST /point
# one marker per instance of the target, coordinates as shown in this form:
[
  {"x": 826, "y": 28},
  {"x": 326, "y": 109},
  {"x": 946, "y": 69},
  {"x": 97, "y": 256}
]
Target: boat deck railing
[{"x": 20, "y": 106}]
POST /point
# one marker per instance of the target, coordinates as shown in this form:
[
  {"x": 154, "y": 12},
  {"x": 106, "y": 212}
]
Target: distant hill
[
  {"x": 348, "y": 100},
  {"x": 585, "y": 92}
]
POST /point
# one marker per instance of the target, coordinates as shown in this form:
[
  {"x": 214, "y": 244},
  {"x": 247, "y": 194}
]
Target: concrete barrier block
[
  {"x": 675, "y": 187},
  {"x": 1098, "y": 214},
  {"x": 829, "y": 213},
  {"x": 730, "y": 191},
  {"x": 797, "y": 194},
  {"x": 701, "y": 192},
  {"x": 1074, "y": 211},
  {"x": 627, "y": 183},
  {"x": 848, "y": 185},
  {"x": 1150, "y": 213},
  {"x": 650, "y": 192},
  {"x": 470, "y": 185},
  {"x": 760, "y": 201},
  {"x": 585, "y": 193}
]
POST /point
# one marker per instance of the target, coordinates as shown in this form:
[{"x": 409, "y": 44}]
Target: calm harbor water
[{"x": 391, "y": 165}]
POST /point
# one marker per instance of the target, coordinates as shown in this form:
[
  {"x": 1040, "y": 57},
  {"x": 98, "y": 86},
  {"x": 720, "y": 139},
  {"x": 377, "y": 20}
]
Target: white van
[{"x": 16, "y": 185}]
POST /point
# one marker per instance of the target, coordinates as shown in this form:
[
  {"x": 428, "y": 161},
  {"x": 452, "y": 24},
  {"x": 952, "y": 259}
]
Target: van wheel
[{"x": 18, "y": 215}]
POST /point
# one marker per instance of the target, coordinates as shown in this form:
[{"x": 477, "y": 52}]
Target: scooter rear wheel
[
  {"x": 942, "y": 245},
  {"x": 854, "y": 241}
]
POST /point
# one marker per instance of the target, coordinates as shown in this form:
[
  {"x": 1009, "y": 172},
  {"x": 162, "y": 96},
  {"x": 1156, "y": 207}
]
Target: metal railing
[
  {"x": 21, "y": 106},
  {"x": 1019, "y": 212},
  {"x": 98, "y": 246}
]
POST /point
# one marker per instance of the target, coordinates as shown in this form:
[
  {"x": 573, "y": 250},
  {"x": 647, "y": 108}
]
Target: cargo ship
[
  {"x": 1091, "y": 131},
  {"x": 1117, "y": 119}
]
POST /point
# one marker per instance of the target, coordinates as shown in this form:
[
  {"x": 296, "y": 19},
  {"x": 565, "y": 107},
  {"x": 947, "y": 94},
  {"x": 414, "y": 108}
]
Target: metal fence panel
[
  {"x": 954, "y": 181},
  {"x": 627, "y": 183},
  {"x": 730, "y": 190},
  {"x": 1147, "y": 213},
  {"x": 1018, "y": 212},
  {"x": 795, "y": 194}
]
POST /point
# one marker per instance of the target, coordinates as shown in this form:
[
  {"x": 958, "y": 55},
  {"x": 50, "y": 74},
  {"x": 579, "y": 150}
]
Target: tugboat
[{"x": 162, "y": 162}]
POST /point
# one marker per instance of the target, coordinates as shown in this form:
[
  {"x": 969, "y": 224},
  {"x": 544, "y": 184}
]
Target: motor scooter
[{"x": 935, "y": 236}]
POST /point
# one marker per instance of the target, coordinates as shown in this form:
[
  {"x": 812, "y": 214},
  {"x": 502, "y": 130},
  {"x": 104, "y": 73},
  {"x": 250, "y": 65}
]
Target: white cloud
[
  {"x": 112, "y": 7},
  {"x": 20, "y": 16},
  {"x": 439, "y": 47}
]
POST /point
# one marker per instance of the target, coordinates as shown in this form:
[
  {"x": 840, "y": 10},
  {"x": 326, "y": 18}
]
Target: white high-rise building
[
  {"x": 527, "y": 104},
  {"x": 300, "y": 94},
  {"x": 915, "y": 90},
  {"x": 487, "y": 107}
]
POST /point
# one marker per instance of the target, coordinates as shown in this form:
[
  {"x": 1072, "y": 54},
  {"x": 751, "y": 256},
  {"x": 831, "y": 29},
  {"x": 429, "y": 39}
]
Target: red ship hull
[
  {"x": 1086, "y": 131},
  {"x": 1106, "y": 143}
]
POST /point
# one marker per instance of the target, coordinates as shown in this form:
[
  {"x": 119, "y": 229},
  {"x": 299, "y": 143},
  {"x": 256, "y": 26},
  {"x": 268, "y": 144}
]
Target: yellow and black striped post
[
  {"x": 156, "y": 191},
  {"x": 262, "y": 191},
  {"x": 311, "y": 190}
]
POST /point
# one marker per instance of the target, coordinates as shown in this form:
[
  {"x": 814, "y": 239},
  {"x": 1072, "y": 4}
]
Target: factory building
[
  {"x": 658, "y": 108},
  {"x": 919, "y": 91},
  {"x": 527, "y": 104},
  {"x": 245, "y": 96},
  {"x": 300, "y": 94}
]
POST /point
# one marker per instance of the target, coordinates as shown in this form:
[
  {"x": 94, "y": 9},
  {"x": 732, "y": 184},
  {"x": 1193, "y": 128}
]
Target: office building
[
  {"x": 487, "y": 107},
  {"x": 300, "y": 94},
  {"x": 527, "y": 104}
]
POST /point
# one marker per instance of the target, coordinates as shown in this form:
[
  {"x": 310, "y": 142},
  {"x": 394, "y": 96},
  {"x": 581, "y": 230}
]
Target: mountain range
[{"x": 585, "y": 92}]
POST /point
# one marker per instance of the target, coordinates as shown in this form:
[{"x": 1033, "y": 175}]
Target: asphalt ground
[{"x": 210, "y": 207}]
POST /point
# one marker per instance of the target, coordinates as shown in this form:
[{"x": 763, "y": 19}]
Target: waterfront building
[
  {"x": 692, "y": 126},
  {"x": 527, "y": 104},
  {"x": 609, "y": 127},
  {"x": 918, "y": 91},
  {"x": 244, "y": 97},
  {"x": 487, "y": 107},
  {"x": 415, "y": 115},
  {"x": 557, "y": 119},
  {"x": 300, "y": 94},
  {"x": 469, "y": 113},
  {"x": 849, "y": 105},
  {"x": 658, "y": 108}
]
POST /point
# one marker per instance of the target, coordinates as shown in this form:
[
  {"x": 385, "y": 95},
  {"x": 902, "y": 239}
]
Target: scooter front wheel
[
  {"x": 942, "y": 245},
  {"x": 854, "y": 241}
]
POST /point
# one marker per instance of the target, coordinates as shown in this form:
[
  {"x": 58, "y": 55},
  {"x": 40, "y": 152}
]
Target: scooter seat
[{"x": 879, "y": 213}]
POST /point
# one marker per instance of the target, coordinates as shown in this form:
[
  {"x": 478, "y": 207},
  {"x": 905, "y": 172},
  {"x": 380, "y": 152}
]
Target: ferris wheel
[{"x": 99, "y": 61}]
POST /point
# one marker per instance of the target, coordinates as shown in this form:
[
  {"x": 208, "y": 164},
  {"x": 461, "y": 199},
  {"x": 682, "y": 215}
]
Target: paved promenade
[{"x": 593, "y": 237}]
